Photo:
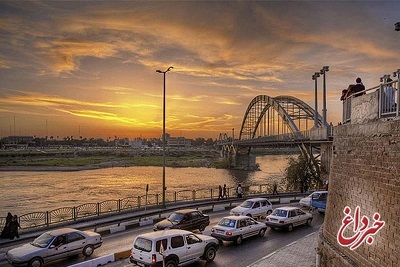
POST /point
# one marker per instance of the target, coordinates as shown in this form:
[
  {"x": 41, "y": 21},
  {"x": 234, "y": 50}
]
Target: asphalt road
[{"x": 229, "y": 254}]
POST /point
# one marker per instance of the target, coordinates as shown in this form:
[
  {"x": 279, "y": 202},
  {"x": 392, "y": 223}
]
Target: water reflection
[{"x": 23, "y": 192}]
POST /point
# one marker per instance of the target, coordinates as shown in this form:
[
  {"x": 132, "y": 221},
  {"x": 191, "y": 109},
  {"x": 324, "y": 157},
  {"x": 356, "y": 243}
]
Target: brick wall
[{"x": 365, "y": 172}]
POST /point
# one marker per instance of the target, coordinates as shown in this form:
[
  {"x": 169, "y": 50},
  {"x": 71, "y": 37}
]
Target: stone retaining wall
[{"x": 365, "y": 172}]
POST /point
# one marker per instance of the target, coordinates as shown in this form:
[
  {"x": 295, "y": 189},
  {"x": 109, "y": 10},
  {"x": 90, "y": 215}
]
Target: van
[{"x": 176, "y": 247}]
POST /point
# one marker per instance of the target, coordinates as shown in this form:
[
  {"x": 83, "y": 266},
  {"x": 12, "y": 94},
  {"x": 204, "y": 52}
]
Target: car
[
  {"x": 318, "y": 202},
  {"x": 177, "y": 247},
  {"x": 253, "y": 207},
  {"x": 306, "y": 202},
  {"x": 288, "y": 217},
  {"x": 53, "y": 245},
  {"x": 236, "y": 228},
  {"x": 185, "y": 219}
]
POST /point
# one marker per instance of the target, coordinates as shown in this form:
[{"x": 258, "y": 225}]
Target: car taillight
[
  {"x": 212, "y": 230},
  {"x": 228, "y": 233},
  {"x": 281, "y": 221},
  {"x": 153, "y": 258}
]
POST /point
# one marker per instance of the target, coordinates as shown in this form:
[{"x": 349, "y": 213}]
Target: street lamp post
[
  {"x": 314, "y": 77},
  {"x": 323, "y": 72},
  {"x": 163, "y": 138}
]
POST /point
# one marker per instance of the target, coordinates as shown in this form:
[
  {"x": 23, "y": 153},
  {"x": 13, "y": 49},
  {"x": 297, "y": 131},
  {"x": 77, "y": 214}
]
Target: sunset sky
[{"x": 88, "y": 68}]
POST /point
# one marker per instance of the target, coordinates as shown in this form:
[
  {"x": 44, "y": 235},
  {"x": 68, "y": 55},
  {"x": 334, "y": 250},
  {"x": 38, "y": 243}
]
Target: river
[{"x": 24, "y": 192}]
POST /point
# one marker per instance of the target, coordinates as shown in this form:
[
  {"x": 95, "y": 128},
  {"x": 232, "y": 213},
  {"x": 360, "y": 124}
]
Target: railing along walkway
[
  {"x": 93, "y": 210},
  {"x": 134, "y": 217}
]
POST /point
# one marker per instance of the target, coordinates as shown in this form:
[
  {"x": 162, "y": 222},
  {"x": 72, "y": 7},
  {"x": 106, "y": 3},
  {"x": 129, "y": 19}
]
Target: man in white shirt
[{"x": 389, "y": 93}]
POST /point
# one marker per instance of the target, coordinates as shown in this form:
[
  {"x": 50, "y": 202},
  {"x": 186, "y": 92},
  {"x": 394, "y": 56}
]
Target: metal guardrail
[
  {"x": 112, "y": 207},
  {"x": 389, "y": 100}
]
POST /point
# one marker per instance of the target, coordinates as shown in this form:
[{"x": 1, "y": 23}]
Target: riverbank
[{"x": 78, "y": 159}]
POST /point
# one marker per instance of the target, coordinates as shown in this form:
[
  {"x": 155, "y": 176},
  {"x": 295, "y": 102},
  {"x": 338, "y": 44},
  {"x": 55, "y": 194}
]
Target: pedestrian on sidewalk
[
  {"x": 14, "y": 225},
  {"x": 6, "y": 230},
  {"x": 224, "y": 192},
  {"x": 220, "y": 192},
  {"x": 239, "y": 191},
  {"x": 275, "y": 188}
]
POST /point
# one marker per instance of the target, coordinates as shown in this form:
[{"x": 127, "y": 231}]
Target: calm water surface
[{"x": 24, "y": 192}]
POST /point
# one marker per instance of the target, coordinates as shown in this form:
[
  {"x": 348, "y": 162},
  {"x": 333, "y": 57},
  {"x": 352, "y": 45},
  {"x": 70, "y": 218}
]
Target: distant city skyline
[{"x": 88, "y": 68}]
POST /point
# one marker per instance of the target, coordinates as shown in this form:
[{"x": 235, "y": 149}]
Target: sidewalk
[{"x": 300, "y": 253}]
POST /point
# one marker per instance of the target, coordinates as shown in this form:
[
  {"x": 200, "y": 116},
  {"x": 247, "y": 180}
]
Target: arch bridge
[{"x": 276, "y": 122}]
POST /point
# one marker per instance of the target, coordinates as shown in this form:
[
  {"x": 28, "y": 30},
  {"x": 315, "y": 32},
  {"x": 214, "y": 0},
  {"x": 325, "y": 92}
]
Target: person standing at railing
[
  {"x": 239, "y": 190},
  {"x": 14, "y": 225},
  {"x": 224, "y": 195},
  {"x": 6, "y": 231},
  {"x": 220, "y": 192},
  {"x": 389, "y": 92}
]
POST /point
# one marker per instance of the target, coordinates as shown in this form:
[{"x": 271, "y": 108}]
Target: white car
[
  {"x": 306, "y": 202},
  {"x": 288, "y": 217},
  {"x": 236, "y": 228},
  {"x": 253, "y": 207},
  {"x": 179, "y": 247},
  {"x": 54, "y": 245}
]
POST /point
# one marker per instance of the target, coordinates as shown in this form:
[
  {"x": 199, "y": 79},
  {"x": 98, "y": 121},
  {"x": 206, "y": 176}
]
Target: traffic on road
[{"x": 227, "y": 254}]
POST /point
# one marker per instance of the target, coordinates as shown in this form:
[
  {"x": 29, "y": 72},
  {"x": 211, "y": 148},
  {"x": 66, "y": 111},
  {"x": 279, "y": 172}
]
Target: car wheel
[
  {"x": 290, "y": 227},
  {"x": 210, "y": 254},
  {"x": 171, "y": 263},
  {"x": 269, "y": 212},
  {"x": 262, "y": 232},
  {"x": 309, "y": 221},
  {"x": 202, "y": 227},
  {"x": 239, "y": 240},
  {"x": 35, "y": 262},
  {"x": 88, "y": 250}
]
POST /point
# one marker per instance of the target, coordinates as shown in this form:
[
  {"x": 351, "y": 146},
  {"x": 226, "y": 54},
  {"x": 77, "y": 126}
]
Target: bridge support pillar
[
  {"x": 326, "y": 156},
  {"x": 244, "y": 162}
]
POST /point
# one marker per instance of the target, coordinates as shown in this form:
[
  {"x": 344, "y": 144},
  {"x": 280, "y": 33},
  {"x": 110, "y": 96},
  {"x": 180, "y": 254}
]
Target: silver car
[
  {"x": 235, "y": 228},
  {"x": 54, "y": 245},
  {"x": 288, "y": 217}
]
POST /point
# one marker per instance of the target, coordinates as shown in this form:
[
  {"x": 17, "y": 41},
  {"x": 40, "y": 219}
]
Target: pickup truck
[{"x": 318, "y": 201}]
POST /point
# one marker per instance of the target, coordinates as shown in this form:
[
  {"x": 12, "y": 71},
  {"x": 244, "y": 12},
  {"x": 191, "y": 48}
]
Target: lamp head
[
  {"x": 169, "y": 68},
  {"x": 325, "y": 68},
  {"x": 159, "y": 71},
  {"x": 316, "y": 74}
]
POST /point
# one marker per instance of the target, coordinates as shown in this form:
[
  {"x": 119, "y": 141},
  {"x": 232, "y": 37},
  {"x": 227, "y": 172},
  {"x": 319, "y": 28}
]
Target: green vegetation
[
  {"x": 299, "y": 175},
  {"x": 106, "y": 158}
]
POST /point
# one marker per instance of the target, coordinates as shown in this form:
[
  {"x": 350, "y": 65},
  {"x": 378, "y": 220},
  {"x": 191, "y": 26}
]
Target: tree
[{"x": 299, "y": 175}]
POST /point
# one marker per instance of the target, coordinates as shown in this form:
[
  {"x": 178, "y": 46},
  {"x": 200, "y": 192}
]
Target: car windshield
[
  {"x": 247, "y": 204},
  {"x": 279, "y": 213},
  {"x": 43, "y": 240},
  {"x": 315, "y": 195},
  {"x": 227, "y": 222},
  {"x": 175, "y": 217},
  {"x": 143, "y": 244}
]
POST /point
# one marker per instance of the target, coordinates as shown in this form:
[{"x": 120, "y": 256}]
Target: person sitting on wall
[
  {"x": 345, "y": 92},
  {"x": 357, "y": 89}
]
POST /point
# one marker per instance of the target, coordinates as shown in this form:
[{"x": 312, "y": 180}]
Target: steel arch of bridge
[{"x": 289, "y": 108}]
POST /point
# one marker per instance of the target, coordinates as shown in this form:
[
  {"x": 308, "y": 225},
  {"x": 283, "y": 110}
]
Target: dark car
[{"x": 187, "y": 219}]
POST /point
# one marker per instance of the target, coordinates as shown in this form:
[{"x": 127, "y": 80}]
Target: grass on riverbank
[{"x": 108, "y": 158}]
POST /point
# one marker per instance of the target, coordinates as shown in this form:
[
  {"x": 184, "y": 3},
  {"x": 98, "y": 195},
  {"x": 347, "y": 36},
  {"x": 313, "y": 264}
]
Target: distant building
[
  {"x": 178, "y": 142},
  {"x": 138, "y": 143},
  {"x": 16, "y": 141}
]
